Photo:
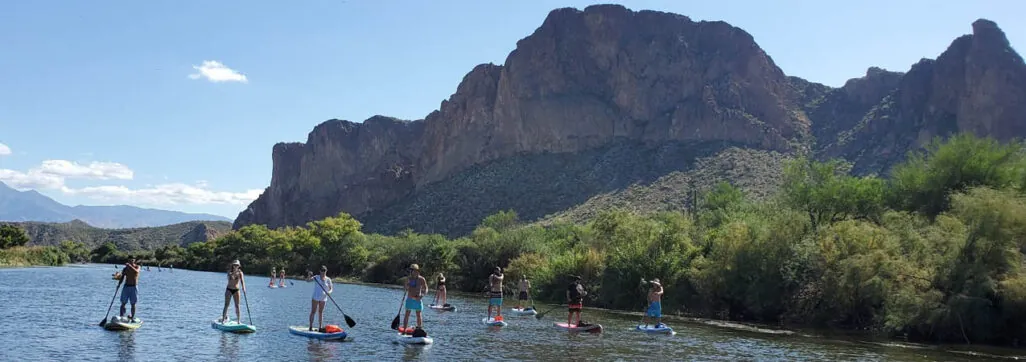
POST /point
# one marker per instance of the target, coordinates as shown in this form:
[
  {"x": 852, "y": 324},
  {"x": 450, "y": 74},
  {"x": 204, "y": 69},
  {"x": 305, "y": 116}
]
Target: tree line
[{"x": 934, "y": 252}]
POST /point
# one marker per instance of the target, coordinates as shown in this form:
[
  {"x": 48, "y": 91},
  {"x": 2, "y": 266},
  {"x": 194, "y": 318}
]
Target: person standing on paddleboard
[
  {"x": 524, "y": 286},
  {"x": 655, "y": 308},
  {"x": 320, "y": 295},
  {"x": 281, "y": 277},
  {"x": 235, "y": 278},
  {"x": 130, "y": 293},
  {"x": 440, "y": 293},
  {"x": 416, "y": 287},
  {"x": 495, "y": 293},
  {"x": 575, "y": 298},
  {"x": 273, "y": 274}
]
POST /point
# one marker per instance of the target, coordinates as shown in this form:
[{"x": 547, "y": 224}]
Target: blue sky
[{"x": 98, "y": 105}]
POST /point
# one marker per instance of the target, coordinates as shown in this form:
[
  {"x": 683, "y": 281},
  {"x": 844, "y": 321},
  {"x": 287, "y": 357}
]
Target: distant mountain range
[
  {"x": 131, "y": 239},
  {"x": 32, "y": 206}
]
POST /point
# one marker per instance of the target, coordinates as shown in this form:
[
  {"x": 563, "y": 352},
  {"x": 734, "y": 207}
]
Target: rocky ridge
[{"x": 604, "y": 99}]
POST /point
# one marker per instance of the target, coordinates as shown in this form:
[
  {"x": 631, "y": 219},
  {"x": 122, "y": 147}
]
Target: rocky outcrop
[
  {"x": 582, "y": 81},
  {"x": 599, "y": 100},
  {"x": 977, "y": 85}
]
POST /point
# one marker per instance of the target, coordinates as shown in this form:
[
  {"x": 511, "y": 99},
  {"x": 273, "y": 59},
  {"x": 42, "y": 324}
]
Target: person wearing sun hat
[
  {"x": 235, "y": 279},
  {"x": 416, "y": 288},
  {"x": 655, "y": 309}
]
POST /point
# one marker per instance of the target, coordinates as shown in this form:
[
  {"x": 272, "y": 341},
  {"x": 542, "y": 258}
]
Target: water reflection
[
  {"x": 413, "y": 352},
  {"x": 229, "y": 346},
  {"x": 321, "y": 350},
  {"x": 126, "y": 349}
]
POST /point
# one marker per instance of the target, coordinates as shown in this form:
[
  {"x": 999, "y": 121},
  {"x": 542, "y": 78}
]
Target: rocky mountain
[
  {"x": 32, "y": 206},
  {"x": 604, "y": 100},
  {"x": 147, "y": 238}
]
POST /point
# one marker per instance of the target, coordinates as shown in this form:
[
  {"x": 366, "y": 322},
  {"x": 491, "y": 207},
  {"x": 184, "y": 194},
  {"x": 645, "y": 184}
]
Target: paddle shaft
[
  {"x": 111, "y": 303},
  {"x": 542, "y": 314},
  {"x": 246, "y": 299},
  {"x": 349, "y": 321}
]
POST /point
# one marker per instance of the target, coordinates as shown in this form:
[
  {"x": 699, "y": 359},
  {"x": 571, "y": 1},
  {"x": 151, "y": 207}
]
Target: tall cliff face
[
  {"x": 599, "y": 100},
  {"x": 977, "y": 85},
  {"x": 582, "y": 81}
]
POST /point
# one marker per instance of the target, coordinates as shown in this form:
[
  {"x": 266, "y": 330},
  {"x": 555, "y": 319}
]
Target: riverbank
[{"x": 26, "y": 256}]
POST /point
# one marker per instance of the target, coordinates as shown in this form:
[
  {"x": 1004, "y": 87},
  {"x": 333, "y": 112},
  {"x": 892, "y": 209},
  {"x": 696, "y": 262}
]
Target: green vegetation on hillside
[
  {"x": 13, "y": 251},
  {"x": 132, "y": 239},
  {"x": 934, "y": 253}
]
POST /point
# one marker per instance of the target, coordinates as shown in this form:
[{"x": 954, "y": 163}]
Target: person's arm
[
  {"x": 331, "y": 286},
  {"x": 135, "y": 267},
  {"x": 423, "y": 286},
  {"x": 242, "y": 279},
  {"x": 660, "y": 291}
]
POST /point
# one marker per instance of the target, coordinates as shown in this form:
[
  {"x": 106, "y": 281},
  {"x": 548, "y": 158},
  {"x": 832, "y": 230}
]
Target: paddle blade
[
  {"x": 349, "y": 321},
  {"x": 395, "y": 322},
  {"x": 103, "y": 322}
]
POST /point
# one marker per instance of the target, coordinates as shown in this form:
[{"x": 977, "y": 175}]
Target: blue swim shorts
[
  {"x": 655, "y": 309},
  {"x": 413, "y": 304},
  {"x": 129, "y": 294}
]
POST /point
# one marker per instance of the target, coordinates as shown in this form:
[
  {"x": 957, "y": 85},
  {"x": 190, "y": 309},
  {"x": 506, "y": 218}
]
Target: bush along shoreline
[
  {"x": 931, "y": 253},
  {"x": 15, "y": 253}
]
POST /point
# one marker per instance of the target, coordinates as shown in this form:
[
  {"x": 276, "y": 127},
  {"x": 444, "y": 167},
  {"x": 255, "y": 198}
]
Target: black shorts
[
  {"x": 232, "y": 291},
  {"x": 522, "y": 296}
]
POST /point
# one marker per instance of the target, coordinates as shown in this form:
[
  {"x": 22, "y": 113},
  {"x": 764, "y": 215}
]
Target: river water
[{"x": 51, "y": 314}]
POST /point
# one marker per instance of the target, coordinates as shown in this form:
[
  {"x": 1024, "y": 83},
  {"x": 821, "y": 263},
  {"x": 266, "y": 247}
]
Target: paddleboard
[
  {"x": 660, "y": 329},
  {"x": 591, "y": 328},
  {"x": 272, "y": 286},
  {"x": 233, "y": 326},
  {"x": 493, "y": 322},
  {"x": 121, "y": 324},
  {"x": 449, "y": 308},
  {"x": 306, "y": 332},
  {"x": 525, "y": 311},
  {"x": 410, "y": 339}
]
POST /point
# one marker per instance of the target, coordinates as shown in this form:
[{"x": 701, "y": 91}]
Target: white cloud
[
  {"x": 51, "y": 174},
  {"x": 216, "y": 72},
  {"x": 94, "y": 170},
  {"x": 4, "y": 150},
  {"x": 166, "y": 194}
]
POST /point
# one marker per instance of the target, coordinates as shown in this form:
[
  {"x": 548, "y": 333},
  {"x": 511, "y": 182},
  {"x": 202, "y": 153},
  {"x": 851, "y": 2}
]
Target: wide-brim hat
[
  {"x": 415, "y": 267},
  {"x": 236, "y": 262}
]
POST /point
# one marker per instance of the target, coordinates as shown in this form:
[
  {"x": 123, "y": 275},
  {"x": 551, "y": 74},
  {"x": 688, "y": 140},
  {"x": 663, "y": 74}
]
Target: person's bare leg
[
  {"x": 406, "y": 320},
  {"x": 227, "y": 299},
  {"x": 313, "y": 309},
  {"x": 238, "y": 314},
  {"x": 320, "y": 315},
  {"x": 133, "y": 311},
  {"x": 122, "y": 313},
  {"x": 420, "y": 322}
]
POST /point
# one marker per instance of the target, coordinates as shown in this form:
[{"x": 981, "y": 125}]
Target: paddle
[
  {"x": 395, "y": 322},
  {"x": 542, "y": 314},
  {"x": 104, "y": 321},
  {"x": 247, "y": 303},
  {"x": 349, "y": 321}
]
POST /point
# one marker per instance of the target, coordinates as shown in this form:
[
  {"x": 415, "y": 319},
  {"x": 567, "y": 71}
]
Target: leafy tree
[
  {"x": 926, "y": 180},
  {"x": 11, "y": 236}
]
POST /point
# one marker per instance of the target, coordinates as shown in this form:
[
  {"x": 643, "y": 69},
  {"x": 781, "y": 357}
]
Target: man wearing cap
[
  {"x": 232, "y": 290},
  {"x": 495, "y": 293},
  {"x": 416, "y": 288},
  {"x": 655, "y": 309}
]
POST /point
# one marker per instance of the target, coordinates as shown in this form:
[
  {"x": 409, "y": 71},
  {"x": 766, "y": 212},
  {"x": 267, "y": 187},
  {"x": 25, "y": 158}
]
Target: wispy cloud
[
  {"x": 216, "y": 72},
  {"x": 4, "y": 150},
  {"x": 166, "y": 194},
  {"x": 52, "y": 174}
]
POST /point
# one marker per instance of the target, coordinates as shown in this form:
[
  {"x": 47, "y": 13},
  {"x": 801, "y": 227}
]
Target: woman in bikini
[
  {"x": 235, "y": 279},
  {"x": 440, "y": 290}
]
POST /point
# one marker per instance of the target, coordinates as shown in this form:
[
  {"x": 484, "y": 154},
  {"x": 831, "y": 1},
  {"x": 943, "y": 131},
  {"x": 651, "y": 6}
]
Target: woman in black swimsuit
[
  {"x": 440, "y": 293},
  {"x": 235, "y": 278}
]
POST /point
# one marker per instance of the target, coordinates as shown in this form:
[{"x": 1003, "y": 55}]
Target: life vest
[{"x": 331, "y": 328}]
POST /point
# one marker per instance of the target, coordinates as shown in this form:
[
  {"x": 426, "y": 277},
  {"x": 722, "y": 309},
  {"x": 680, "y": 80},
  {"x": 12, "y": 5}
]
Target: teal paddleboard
[{"x": 233, "y": 326}]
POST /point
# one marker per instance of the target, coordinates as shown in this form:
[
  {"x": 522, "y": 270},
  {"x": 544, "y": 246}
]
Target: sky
[{"x": 176, "y": 104}]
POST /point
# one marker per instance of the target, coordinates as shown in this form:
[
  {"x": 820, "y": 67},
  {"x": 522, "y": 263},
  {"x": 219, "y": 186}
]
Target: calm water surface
[{"x": 51, "y": 314}]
